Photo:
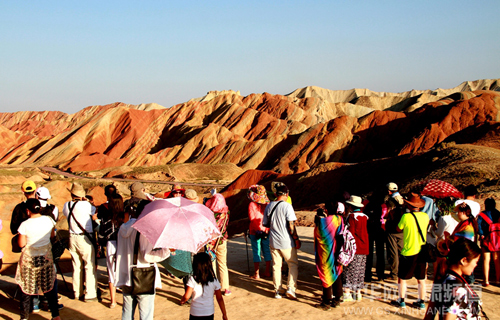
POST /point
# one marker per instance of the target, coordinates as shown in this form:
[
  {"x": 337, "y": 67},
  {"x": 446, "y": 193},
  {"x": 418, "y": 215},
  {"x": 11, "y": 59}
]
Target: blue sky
[{"x": 67, "y": 55}]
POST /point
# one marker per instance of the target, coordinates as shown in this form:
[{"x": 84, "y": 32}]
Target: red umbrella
[{"x": 439, "y": 189}]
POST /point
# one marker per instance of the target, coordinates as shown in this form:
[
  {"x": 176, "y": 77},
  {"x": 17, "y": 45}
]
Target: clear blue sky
[{"x": 67, "y": 55}]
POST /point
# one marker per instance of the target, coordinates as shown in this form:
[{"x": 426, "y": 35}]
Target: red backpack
[{"x": 492, "y": 241}]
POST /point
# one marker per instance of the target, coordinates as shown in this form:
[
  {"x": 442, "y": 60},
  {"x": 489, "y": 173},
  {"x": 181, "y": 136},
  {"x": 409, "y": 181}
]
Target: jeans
[
  {"x": 146, "y": 304},
  {"x": 25, "y": 302},
  {"x": 260, "y": 246}
]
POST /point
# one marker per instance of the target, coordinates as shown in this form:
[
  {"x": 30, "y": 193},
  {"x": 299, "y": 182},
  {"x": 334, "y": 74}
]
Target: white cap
[
  {"x": 42, "y": 194},
  {"x": 392, "y": 186},
  {"x": 340, "y": 208}
]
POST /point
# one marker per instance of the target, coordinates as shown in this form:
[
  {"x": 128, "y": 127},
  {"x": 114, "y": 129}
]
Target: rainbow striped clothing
[
  {"x": 464, "y": 229},
  {"x": 325, "y": 246}
]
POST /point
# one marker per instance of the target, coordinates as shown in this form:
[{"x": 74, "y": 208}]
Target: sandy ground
[{"x": 251, "y": 299}]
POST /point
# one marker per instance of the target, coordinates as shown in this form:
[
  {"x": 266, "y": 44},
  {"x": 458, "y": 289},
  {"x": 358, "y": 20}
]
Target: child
[{"x": 202, "y": 286}]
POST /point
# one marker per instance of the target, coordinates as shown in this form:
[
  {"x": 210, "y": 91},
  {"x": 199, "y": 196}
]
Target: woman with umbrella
[{"x": 217, "y": 204}]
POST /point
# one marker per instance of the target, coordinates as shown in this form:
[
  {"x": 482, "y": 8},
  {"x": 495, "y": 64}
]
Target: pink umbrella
[{"x": 177, "y": 223}]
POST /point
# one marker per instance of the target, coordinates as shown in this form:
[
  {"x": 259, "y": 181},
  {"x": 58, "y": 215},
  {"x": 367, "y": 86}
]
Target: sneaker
[
  {"x": 398, "y": 303},
  {"x": 291, "y": 294},
  {"x": 61, "y": 306},
  {"x": 36, "y": 309},
  {"x": 277, "y": 295},
  {"x": 323, "y": 306},
  {"x": 91, "y": 300},
  {"x": 227, "y": 292},
  {"x": 347, "y": 297},
  {"x": 419, "y": 304},
  {"x": 359, "y": 296}
]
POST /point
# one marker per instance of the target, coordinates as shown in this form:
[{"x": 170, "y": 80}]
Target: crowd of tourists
[{"x": 404, "y": 232}]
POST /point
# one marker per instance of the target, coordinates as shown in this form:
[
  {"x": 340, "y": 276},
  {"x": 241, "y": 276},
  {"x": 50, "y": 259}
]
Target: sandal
[{"x": 113, "y": 305}]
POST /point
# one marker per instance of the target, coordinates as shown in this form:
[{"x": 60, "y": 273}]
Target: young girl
[
  {"x": 452, "y": 297},
  {"x": 201, "y": 287}
]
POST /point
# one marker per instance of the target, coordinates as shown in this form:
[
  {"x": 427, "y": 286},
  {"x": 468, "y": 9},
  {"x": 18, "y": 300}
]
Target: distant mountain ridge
[{"x": 286, "y": 134}]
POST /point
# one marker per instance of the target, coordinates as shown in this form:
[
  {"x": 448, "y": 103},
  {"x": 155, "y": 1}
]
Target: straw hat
[
  {"x": 192, "y": 195},
  {"x": 137, "y": 191},
  {"x": 415, "y": 201},
  {"x": 258, "y": 194},
  {"x": 391, "y": 186},
  {"x": 77, "y": 190},
  {"x": 28, "y": 186},
  {"x": 355, "y": 201}
]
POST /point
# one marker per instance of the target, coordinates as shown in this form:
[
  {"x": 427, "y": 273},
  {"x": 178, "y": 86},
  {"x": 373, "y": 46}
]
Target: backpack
[
  {"x": 49, "y": 211},
  {"x": 348, "y": 248},
  {"x": 492, "y": 241}
]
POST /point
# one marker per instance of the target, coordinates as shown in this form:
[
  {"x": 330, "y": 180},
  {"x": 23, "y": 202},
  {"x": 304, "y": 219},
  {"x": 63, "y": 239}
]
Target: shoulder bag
[
  {"x": 143, "y": 279},
  {"x": 428, "y": 252},
  {"x": 91, "y": 238},
  {"x": 268, "y": 224}
]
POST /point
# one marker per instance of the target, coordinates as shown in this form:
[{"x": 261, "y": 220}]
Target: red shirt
[
  {"x": 256, "y": 214},
  {"x": 357, "y": 226}
]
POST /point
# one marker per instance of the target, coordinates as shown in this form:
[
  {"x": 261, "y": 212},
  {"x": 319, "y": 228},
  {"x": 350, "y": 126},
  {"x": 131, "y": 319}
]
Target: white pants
[
  {"x": 291, "y": 259},
  {"x": 81, "y": 250}
]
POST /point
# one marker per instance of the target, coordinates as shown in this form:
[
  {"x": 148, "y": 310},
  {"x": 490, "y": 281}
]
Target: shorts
[{"x": 410, "y": 266}]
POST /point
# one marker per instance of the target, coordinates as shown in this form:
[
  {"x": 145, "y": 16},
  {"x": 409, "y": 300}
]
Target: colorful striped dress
[
  {"x": 325, "y": 244},
  {"x": 464, "y": 229}
]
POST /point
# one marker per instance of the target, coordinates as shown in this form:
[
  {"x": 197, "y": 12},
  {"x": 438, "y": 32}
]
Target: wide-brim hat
[
  {"x": 137, "y": 191},
  {"x": 192, "y": 195},
  {"x": 415, "y": 201},
  {"x": 77, "y": 190},
  {"x": 355, "y": 201},
  {"x": 391, "y": 186},
  {"x": 257, "y": 193}
]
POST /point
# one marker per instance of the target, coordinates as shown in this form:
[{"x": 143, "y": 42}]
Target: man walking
[
  {"x": 410, "y": 264},
  {"x": 394, "y": 203},
  {"x": 283, "y": 240}
]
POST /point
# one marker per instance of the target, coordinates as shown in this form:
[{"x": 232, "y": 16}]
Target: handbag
[
  {"x": 143, "y": 279},
  {"x": 15, "y": 244},
  {"x": 259, "y": 234},
  {"x": 492, "y": 241},
  {"x": 428, "y": 253},
  {"x": 58, "y": 247},
  {"x": 268, "y": 224}
]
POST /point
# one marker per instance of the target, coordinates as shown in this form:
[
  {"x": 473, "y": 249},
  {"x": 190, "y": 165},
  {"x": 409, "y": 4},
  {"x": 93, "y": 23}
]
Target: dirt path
[{"x": 74, "y": 176}]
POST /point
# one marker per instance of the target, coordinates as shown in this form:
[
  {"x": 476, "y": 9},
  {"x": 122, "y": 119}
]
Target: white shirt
[
  {"x": 37, "y": 231},
  {"x": 203, "y": 297},
  {"x": 82, "y": 212},
  {"x": 125, "y": 255}
]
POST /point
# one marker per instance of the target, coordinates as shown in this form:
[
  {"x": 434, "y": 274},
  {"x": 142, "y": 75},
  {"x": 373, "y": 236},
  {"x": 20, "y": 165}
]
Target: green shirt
[{"x": 411, "y": 236}]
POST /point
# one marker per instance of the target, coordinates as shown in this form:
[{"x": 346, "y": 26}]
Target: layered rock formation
[{"x": 286, "y": 134}]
